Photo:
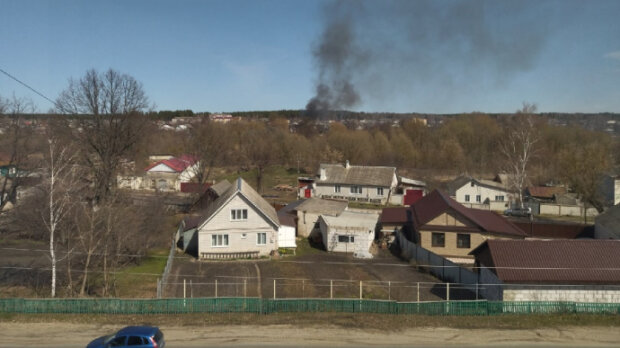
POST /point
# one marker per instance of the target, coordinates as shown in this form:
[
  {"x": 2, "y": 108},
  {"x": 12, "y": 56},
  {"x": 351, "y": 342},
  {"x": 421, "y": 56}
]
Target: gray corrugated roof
[
  {"x": 610, "y": 220},
  {"x": 221, "y": 187},
  {"x": 322, "y": 206},
  {"x": 249, "y": 193},
  {"x": 357, "y": 175}
]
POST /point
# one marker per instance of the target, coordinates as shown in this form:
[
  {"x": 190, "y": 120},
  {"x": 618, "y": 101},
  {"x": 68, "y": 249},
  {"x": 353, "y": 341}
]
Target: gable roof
[
  {"x": 554, "y": 261},
  {"x": 437, "y": 203},
  {"x": 462, "y": 180},
  {"x": 178, "y": 164},
  {"x": 357, "y": 175},
  {"x": 610, "y": 221},
  {"x": 322, "y": 206},
  {"x": 245, "y": 190},
  {"x": 352, "y": 221},
  {"x": 220, "y": 187}
]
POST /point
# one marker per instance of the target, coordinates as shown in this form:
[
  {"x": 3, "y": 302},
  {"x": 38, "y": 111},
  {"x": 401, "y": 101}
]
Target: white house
[
  {"x": 478, "y": 193},
  {"x": 239, "y": 224},
  {"x": 349, "y": 232},
  {"x": 309, "y": 211},
  {"x": 367, "y": 184},
  {"x": 168, "y": 174}
]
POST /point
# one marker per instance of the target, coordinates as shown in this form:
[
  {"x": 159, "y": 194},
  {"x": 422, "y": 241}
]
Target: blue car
[{"x": 131, "y": 336}]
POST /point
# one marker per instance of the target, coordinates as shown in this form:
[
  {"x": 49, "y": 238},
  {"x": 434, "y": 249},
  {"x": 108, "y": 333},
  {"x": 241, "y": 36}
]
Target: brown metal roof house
[
  {"x": 550, "y": 270},
  {"x": 447, "y": 228}
]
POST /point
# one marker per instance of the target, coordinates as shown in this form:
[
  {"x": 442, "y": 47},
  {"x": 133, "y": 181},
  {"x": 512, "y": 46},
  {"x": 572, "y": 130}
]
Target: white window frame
[
  {"x": 478, "y": 198},
  {"x": 236, "y": 213},
  {"x": 467, "y": 197},
  {"x": 379, "y": 191},
  {"x": 220, "y": 240},
  {"x": 261, "y": 237},
  {"x": 337, "y": 188},
  {"x": 499, "y": 198},
  {"x": 355, "y": 190}
]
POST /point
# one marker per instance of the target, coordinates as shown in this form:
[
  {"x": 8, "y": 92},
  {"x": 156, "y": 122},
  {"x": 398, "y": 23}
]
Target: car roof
[{"x": 138, "y": 330}]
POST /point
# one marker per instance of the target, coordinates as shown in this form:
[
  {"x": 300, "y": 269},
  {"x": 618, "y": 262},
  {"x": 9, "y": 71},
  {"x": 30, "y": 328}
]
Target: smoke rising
[{"x": 387, "y": 50}]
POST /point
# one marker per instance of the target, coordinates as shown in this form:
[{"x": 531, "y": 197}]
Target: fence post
[
  {"x": 447, "y": 291},
  {"x": 360, "y": 289},
  {"x": 389, "y": 290},
  {"x": 184, "y": 288},
  {"x": 245, "y": 287},
  {"x": 215, "y": 287},
  {"x": 158, "y": 288},
  {"x": 418, "y": 291},
  {"x": 274, "y": 289},
  {"x": 303, "y": 288},
  {"x": 476, "y": 291},
  {"x": 191, "y": 289},
  {"x": 331, "y": 288}
]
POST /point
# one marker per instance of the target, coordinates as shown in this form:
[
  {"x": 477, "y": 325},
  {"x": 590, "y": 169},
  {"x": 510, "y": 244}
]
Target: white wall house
[
  {"x": 350, "y": 232},
  {"x": 239, "y": 224},
  {"x": 366, "y": 184},
  {"x": 164, "y": 175},
  {"x": 476, "y": 193}
]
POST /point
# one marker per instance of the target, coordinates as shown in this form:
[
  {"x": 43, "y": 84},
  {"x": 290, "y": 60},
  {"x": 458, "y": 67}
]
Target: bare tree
[
  {"x": 519, "y": 146},
  {"x": 207, "y": 142},
  {"x": 15, "y": 144},
  {"x": 111, "y": 106},
  {"x": 60, "y": 179}
]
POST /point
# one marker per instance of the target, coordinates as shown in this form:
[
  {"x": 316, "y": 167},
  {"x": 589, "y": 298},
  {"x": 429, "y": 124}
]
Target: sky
[{"x": 446, "y": 56}]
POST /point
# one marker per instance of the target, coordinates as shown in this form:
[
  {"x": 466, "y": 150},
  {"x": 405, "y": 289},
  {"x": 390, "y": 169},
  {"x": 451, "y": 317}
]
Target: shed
[{"x": 350, "y": 232}]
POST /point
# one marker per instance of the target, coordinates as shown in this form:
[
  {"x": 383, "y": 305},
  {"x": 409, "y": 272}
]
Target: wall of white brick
[{"x": 592, "y": 294}]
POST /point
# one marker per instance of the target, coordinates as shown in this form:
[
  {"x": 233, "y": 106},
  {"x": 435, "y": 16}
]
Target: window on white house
[
  {"x": 261, "y": 238},
  {"x": 238, "y": 214},
  {"x": 219, "y": 240},
  {"x": 337, "y": 188},
  {"x": 346, "y": 239},
  {"x": 379, "y": 191},
  {"x": 499, "y": 198},
  {"x": 478, "y": 198},
  {"x": 466, "y": 198},
  {"x": 356, "y": 189}
]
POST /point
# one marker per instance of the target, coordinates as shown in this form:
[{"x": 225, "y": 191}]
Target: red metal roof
[
  {"x": 437, "y": 202},
  {"x": 561, "y": 261},
  {"x": 394, "y": 215},
  {"x": 178, "y": 164},
  {"x": 555, "y": 230},
  {"x": 545, "y": 191}
]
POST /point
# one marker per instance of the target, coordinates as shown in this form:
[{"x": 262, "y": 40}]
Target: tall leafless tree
[
  {"x": 207, "y": 142},
  {"x": 110, "y": 106},
  {"x": 15, "y": 145},
  {"x": 519, "y": 146}
]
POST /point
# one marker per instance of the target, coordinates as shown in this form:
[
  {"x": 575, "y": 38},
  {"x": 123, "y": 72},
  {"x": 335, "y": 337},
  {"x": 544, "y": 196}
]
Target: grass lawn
[{"x": 141, "y": 280}]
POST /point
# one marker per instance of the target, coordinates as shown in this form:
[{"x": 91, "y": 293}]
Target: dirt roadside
[{"x": 14, "y": 334}]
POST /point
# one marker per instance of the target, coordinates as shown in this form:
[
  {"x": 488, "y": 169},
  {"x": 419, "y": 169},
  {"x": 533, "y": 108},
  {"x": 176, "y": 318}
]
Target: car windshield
[{"x": 107, "y": 339}]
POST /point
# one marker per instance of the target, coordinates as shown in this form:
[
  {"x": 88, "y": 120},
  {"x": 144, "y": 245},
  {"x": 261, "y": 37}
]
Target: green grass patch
[
  {"x": 141, "y": 280},
  {"x": 305, "y": 247}
]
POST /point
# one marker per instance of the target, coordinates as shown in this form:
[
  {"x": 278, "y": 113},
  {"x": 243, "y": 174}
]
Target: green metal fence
[{"x": 267, "y": 306}]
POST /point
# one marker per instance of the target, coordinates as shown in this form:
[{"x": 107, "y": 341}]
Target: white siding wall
[
  {"x": 594, "y": 294},
  {"x": 286, "y": 237},
  {"x": 362, "y": 239},
  {"x": 484, "y": 192},
  {"x": 368, "y": 192},
  {"x": 305, "y": 223},
  {"x": 222, "y": 224}
]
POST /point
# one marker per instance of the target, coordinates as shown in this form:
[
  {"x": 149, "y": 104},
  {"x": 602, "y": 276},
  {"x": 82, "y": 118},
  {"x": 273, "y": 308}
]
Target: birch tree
[
  {"x": 518, "y": 147},
  {"x": 60, "y": 178}
]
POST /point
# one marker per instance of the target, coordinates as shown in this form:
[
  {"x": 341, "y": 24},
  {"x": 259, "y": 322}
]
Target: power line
[{"x": 25, "y": 85}]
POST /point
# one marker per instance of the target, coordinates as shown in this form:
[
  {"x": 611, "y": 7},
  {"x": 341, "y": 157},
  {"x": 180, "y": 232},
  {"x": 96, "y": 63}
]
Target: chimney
[
  {"x": 322, "y": 174},
  {"x": 346, "y": 164}
]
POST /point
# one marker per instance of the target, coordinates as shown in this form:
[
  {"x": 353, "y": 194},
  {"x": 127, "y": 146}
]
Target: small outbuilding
[
  {"x": 549, "y": 270},
  {"x": 350, "y": 232}
]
